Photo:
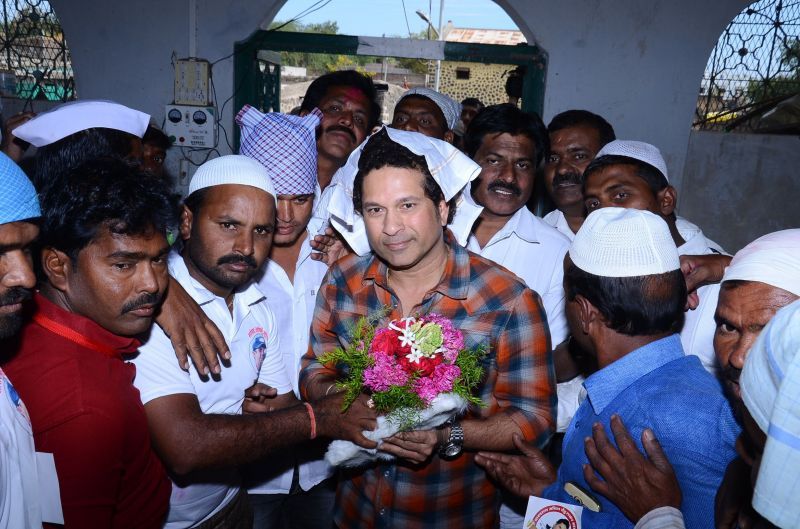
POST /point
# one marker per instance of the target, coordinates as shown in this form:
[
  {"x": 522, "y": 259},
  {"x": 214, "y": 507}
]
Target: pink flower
[
  {"x": 441, "y": 381},
  {"x": 453, "y": 340},
  {"x": 385, "y": 373}
]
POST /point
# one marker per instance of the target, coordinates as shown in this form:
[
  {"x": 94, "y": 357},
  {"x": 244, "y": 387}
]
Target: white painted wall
[{"x": 744, "y": 185}]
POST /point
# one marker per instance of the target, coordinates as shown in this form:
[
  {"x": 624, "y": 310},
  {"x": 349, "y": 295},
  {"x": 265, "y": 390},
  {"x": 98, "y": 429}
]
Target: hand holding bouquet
[{"x": 417, "y": 371}]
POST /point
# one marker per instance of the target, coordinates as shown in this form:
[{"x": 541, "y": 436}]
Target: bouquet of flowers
[{"x": 417, "y": 372}]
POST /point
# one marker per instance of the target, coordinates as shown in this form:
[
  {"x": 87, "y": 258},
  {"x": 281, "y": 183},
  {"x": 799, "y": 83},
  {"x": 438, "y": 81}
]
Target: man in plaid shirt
[{"x": 417, "y": 267}]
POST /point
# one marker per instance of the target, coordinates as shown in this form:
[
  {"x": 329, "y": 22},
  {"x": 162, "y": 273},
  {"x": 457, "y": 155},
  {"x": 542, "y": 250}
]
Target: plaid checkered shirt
[{"x": 490, "y": 306}]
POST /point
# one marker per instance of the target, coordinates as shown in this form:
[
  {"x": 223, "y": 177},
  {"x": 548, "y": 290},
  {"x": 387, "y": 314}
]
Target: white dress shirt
[
  {"x": 251, "y": 335},
  {"x": 534, "y": 252}
]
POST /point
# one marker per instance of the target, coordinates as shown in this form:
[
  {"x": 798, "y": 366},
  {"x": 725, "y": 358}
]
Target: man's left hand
[{"x": 416, "y": 446}]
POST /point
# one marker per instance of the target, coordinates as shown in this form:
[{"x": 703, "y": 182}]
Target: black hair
[
  {"x": 576, "y": 118},
  {"x": 195, "y": 201},
  {"x": 507, "y": 118},
  {"x": 473, "y": 102},
  {"x": 105, "y": 193},
  {"x": 56, "y": 159},
  {"x": 634, "y": 306},
  {"x": 155, "y": 136},
  {"x": 379, "y": 152},
  {"x": 319, "y": 87},
  {"x": 565, "y": 522},
  {"x": 654, "y": 178}
]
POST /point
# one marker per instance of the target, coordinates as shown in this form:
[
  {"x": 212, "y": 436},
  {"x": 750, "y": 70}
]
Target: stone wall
[{"x": 486, "y": 81}]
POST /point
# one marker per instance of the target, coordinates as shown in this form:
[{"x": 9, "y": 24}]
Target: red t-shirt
[{"x": 85, "y": 411}]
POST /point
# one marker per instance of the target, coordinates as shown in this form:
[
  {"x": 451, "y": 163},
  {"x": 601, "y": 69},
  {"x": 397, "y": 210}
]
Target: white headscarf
[
  {"x": 451, "y": 169},
  {"x": 773, "y": 259}
]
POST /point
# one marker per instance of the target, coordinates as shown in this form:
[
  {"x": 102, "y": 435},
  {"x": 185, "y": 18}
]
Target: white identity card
[{"x": 549, "y": 514}]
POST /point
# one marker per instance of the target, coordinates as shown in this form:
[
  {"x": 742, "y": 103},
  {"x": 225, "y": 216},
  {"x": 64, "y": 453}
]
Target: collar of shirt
[
  {"x": 605, "y": 385},
  {"x": 455, "y": 280},
  {"x": 520, "y": 224},
  {"x": 177, "y": 268},
  {"x": 557, "y": 220},
  {"x": 81, "y": 330}
]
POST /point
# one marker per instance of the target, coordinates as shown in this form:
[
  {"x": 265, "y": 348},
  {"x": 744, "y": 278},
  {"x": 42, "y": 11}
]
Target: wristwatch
[{"x": 452, "y": 447}]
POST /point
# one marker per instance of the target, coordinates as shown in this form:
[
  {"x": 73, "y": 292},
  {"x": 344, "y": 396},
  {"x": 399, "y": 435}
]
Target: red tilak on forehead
[{"x": 354, "y": 93}]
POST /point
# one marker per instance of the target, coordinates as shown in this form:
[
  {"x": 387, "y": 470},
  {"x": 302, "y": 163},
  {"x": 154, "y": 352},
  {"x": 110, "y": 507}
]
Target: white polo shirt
[
  {"x": 293, "y": 305},
  {"x": 251, "y": 335},
  {"x": 534, "y": 252},
  {"x": 19, "y": 489}
]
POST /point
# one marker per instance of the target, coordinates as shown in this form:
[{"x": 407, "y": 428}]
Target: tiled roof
[{"x": 485, "y": 36}]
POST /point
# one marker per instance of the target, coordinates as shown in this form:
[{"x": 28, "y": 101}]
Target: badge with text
[{"x": 549, "y": 514}]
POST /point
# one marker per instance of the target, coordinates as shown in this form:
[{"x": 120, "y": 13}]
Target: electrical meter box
[
  {"x": 190, "y": 126},
  {"x": 192, "y": 82}
]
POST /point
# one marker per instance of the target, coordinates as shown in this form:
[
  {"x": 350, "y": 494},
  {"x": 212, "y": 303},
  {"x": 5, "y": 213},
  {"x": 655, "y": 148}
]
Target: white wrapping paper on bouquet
[{"x": 348, "y": 454}]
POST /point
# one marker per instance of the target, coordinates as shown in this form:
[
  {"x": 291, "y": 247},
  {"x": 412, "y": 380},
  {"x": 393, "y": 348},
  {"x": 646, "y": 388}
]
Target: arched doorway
[{"x": 752, "y": 79}]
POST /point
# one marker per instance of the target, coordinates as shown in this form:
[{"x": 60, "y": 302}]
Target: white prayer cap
[
  {"x": 451, "y": 169},
  {"x": 773, "y": 259},
  {"x": 70, "y": 118},
  {"x": 638, "y": 150},
  {"x": 619, "y": 242},
  {"x": 232, "y": 169},
  {"x": 449, "y": 107},
  {"x": 770, "y": 385}
]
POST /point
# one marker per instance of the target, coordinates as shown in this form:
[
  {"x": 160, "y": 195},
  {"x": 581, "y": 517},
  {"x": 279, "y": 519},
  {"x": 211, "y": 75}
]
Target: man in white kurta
[{"x": 292, "y": 490}]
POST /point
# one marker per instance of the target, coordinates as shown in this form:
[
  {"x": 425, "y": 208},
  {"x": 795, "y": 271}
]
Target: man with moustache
[
  {"x": 226, "y": 226},
  {"x": 403, "y": 193},
  {"x": 104, "y": 274},
  {"x": 293, "y": 489},
  {"x": 428, "y": 112},
  {"x": 575, "y": 138},
  {"x": 19, "y": 214},
  {"x": 349, "y": 108}
]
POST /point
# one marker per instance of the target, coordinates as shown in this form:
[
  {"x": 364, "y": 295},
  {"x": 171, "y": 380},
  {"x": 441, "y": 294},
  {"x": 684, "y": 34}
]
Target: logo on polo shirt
[
  {"x": 258, "y": 345},
  {"x": 13, "y": 396}
]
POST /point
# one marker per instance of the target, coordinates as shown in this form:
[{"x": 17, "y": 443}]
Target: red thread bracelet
[{"x": 313, "y": 420}]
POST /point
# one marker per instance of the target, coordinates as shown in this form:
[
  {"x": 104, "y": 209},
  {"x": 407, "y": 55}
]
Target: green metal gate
[{"x": 257, "y": 81}]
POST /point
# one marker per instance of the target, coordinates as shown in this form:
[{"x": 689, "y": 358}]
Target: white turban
[
  {"x": 451, "y": 169},
  {"x": 770, "y": 385},
  {"x": 773, "y": 259}
]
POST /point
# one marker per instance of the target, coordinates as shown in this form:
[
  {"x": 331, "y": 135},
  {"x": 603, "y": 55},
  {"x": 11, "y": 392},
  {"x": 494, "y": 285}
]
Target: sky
[{"x": 377, "y": 18}]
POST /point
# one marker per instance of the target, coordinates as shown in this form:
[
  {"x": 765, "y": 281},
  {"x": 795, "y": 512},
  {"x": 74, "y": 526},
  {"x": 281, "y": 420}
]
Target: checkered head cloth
[
  {"x": 18, "y": 200},
  {"x": 286, "y": 145}
]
